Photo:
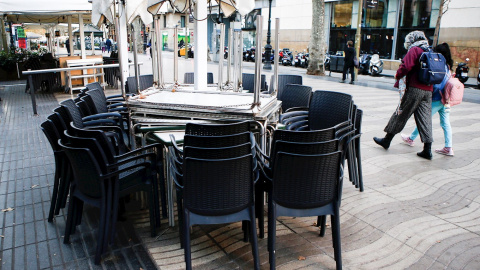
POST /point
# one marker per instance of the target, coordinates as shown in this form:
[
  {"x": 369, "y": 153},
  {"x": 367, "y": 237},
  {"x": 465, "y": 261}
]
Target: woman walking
[
  {"x": 437, "y": 106},
  {"x": 417, "y": 99}
]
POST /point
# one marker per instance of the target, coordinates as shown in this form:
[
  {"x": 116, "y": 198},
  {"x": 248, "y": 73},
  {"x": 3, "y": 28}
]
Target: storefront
[{"x": 385, "y": 23}]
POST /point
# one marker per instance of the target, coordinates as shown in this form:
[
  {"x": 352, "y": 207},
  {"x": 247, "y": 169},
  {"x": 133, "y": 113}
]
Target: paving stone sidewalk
[
  {"x": 27, "y": 168},
  {"x": 414, "y": 213}
]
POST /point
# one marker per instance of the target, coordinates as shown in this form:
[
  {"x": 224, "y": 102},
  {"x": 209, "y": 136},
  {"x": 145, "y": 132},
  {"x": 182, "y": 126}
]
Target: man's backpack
[
  {"x": 453, "y": 93},
  {"x": 432, "y": 68}
]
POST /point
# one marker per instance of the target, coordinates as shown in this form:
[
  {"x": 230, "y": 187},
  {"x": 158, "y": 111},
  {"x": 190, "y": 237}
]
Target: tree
[
  {"x": 317, "y": 39},
  {"x": 441, "y": 11}
]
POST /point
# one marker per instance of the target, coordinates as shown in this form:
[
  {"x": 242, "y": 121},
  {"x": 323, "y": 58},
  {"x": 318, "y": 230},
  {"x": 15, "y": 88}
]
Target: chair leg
[
  {"x": 61, "y": 188},
  {"x": 245, "y": 229},
  {"x": 359, "y": 165},
  {"x": 70, "y": 222},
  {"x": 259, "y": 199},
  {"x": 151, "y": 204},
  {"x": 56, "y": 182},
  {"x": 254, "y": 241},
  {"x": 186, "y": 236},
  {"x": 67, "y": 186},
  {"x": 101, "y": 234},
  {"x": 337, "y": 240},
  {"x": 271, "y": 234},
  {"x": 163, "y": 192},
  {"x": 180, "y": 217},
  {"x": 323, "y": 223},
  {"x": 156, "y": 200}
]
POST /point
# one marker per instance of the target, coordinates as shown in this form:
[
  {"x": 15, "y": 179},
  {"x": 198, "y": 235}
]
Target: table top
[{"x": 204, "y": 101}]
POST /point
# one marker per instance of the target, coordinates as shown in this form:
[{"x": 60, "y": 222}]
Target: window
[
  {"x": 376, "y": 16},
  {"x": 182, "y": 21},
  {"x": 165, "y": 21},
  {"x": 342, "y": 14},
  {"x": 416, "y": 14}
]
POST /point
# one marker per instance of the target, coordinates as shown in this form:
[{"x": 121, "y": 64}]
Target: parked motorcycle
[
  {"x": 298, "y": 58},
  {"x": 376, "y": 65},
  {"x": 225, "y": 52},
  {"x": 286, "y": 60},
  {"x": 272, "y": 55},
  {"x": 364, "y": 64},
  {"x": 306, "y": 56},
  {"x": 461, "y": 72}
]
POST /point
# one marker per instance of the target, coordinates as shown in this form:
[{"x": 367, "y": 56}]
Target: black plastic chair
[
  {"x": 356, "y": 158},
  {"x": 283, "y": 80},
  {"x": 102, "y": 189},
  {"x": 295, "y": 96},
  {"x": 248, "y": 82},
  {"x": 233, "y": 179},
  {"x": 101, "y": 102},
  {"x": 326, "y": 109},
  {"x": 97, "y": 86},
  {"x": 146, "y": 81},
  {"x": 189, "y": 78},
  {"x": 306, "y": 185},
  {"x": 217, "y": 129}
]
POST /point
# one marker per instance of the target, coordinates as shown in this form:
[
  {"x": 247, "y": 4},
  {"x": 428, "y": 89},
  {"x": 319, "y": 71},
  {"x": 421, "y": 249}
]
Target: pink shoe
[
  {"x": 445, "y": 151},
  {"x": 406, "y": 139}
]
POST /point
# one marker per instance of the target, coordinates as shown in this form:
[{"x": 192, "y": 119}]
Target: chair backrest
[
  {"x": 74, "y": 112},
  {"x": 283, "y": 80},
  {"x": 94, "y": 85},
  {"x": 64, "y": 115},
  {"x": 189, "y": 78},
  {"x": 86, "y": 106},
  {"x": 146, "y": 81},
  {"x": 328, "y": 108},
  {"x": 57, "y": 121},
  {"x": 93, "y": 145},
  {"x": 305, "y": 148},
  {"x": 52, "y": 134},
  {"x": 358, "y": 121},
  {"x": 218, "y": 186},
  {"x": 217, "y": 153},
  {"x": 216, "y": 141},
  {"x": 306, "y": 181},
  {"x": 295, "y": 95},
  {"x": 99, "y": 99},
  {"x": 108, "y": 146},
  {"x": 86, "y": 171},
  {"x": 217, "y": 129},
  {"x": 248, "y": 82}
]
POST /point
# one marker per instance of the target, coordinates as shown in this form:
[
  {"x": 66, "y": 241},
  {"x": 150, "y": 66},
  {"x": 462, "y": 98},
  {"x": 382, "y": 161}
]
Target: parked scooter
[
  {"x": 286, "y": 60},
  {"x": 298, "y": 59},
  {"x": 225, "y": 53},
  {"x": 326, "y": 61},
  {"x": 304, "y": 64},
  {"x": 376, "y": 65},
  {"x": 461, "y": 72},
  {"x": 364, "y": 64}
]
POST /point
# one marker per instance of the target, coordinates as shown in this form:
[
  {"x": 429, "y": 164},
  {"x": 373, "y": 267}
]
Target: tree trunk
[
  {"x": 317, "y": 39},
  {"x": 437, "y": 27}
]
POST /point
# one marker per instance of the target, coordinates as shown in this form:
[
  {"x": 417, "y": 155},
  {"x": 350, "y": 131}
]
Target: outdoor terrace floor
[{"x": 413, "y": 214}]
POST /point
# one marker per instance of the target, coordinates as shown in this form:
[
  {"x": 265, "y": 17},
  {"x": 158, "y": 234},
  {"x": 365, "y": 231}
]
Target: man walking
[
  {"x": 349, "y": 64},
  {"x": 108, "y": 43}
]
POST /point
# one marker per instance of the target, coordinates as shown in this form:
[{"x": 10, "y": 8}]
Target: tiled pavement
[
  {"x": 414, "y": 214},
  {"x": 27, "y": 166}
]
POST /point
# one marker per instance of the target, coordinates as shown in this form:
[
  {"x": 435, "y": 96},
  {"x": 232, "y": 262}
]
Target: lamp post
[{"x": 268, "y": 47}]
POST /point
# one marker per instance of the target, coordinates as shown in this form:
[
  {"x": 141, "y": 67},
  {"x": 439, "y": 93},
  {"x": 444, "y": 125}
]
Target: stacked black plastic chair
[
  {"x": 225, "y": 173},
  {"x": 248, "y": 82},
  {"x": 283, "y": 80},
  {"x": 109, "y": 99},
  {"x": 101, "y": 184},
  {"x": 304, "y": 178},
  {"x": 189, "y": 78},
  {"x": 146, "y": 81},
  {"x": 295, "y": 96}
]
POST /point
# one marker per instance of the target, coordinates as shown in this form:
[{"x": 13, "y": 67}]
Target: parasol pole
[
  {"x": 220, "y": 59},
  {"x": 258, "y": 62},
  {"x": 275, "y": 58},
  {"x": 175, "y": 55},
  {"x": 159, "y": 52},
  {"x": 135, "y": 59},
  {"x": 229, "y": 58}
]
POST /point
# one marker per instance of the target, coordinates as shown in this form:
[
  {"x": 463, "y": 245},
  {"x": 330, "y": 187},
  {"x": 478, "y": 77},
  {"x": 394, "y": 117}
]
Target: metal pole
[
  {"x": 32, "y": 94},
  {"x": 200, "y": 73},
  {"x": 268, "y": 47},
  {"x": 229, "y": 58},
  {"x": 135, "y": 58},
  {"x": 153, "y": 49},
  {"x": 159, "y": 53},
  {"x": 236, "y": 37},
  {"x": 220, "y": 59},
  {"x": 92, "y": 42},
  {"x": 82, "y": 36},
  {"x": 121, "y": 35},
  {"x": 258, "y": 62},
  {"x": 275, "y": 58},
  {"x": 359, "y": 33},
  {"x": 70, "y": 35},
  {"x": 175, "y": 55},
  {"x": 240, "y": 58}
]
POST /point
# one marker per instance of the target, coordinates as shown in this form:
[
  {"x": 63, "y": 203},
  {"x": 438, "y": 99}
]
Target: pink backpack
[{"x": 453, "y": 93}]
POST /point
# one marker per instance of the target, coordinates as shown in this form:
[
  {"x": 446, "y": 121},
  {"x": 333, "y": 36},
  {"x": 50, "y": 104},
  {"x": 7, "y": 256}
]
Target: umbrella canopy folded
[
  {"x": 138, "y": 8},
  {"x": 154, "y": 6},
  {"x": 227, "y": 6},
  {"x": 102, "y": 10}
]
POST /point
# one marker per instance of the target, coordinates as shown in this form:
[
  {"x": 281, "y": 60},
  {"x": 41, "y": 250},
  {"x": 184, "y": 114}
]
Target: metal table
[{"x": 168, "y": 107}]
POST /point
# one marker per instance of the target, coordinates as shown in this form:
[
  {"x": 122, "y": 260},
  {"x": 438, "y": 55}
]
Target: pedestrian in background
[
  {"x": 102, "y": 45},
  {"x": 67, "y": 44},
  {"x": 349, "y": 63},
  {"x": 108, "y": 43},
  {"x": 438, "y": 106},
  {"x": 417, "y": 99}
]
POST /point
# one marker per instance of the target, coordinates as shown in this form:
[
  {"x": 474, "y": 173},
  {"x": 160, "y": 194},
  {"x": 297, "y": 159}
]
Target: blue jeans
[{"x": 437, "y": 106}]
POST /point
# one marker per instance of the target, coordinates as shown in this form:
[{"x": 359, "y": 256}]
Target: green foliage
[{"x": 8, "y": 59}]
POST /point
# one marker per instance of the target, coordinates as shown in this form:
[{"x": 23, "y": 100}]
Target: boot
[
  {"x": 385, "y": 142},
  {"x": 427, "y": 151}
]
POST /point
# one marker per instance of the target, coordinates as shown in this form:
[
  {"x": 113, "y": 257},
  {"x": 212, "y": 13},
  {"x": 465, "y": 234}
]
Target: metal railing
[{"x": 55, "y": 70}]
